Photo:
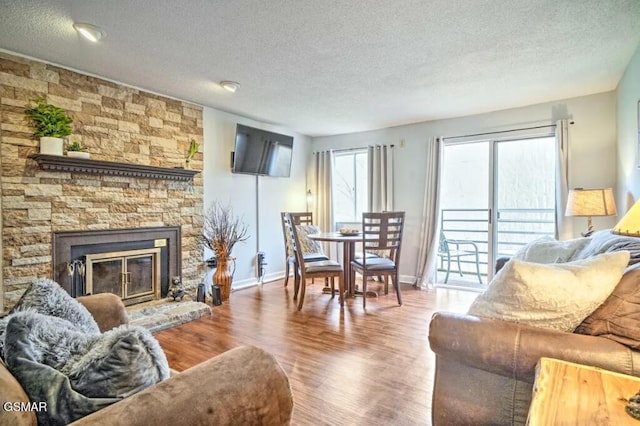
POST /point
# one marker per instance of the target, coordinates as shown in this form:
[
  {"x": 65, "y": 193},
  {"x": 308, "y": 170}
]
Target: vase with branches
[{"x": 221, "y": 231}]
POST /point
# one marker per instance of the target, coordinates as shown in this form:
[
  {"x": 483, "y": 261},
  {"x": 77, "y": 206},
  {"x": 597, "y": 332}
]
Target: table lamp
[
  {"x": 630, "y": 222},
  {"x": 589, "y": 203}
]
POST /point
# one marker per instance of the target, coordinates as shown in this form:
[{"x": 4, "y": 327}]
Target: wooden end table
[{"x": 565, "y": 393}]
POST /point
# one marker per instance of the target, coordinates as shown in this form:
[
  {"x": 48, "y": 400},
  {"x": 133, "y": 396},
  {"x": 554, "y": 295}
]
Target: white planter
[
  {"x": 51, "y": 146},
  {"x": 78, "y": 154}
]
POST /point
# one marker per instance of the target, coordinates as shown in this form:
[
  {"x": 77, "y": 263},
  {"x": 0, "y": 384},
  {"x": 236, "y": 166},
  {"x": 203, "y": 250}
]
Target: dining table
[{"x": 348, "y": 241}]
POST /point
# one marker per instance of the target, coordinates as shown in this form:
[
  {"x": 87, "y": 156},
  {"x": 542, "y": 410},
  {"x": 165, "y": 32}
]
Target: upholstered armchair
[{"x": 245, "y": 385}]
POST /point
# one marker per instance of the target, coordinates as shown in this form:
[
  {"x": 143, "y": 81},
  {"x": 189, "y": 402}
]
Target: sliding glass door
[
  {"x": 524, "y": 196},
  {"x": 496, "y": 195}
]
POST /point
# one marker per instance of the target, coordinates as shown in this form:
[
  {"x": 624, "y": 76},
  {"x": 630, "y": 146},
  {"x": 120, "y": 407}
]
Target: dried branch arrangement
[{"x": 221, "y": 229}]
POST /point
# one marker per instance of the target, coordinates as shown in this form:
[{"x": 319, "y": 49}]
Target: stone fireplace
[
  {"x": 136, "y": 264},
  {"x": 132, "y": 190}
]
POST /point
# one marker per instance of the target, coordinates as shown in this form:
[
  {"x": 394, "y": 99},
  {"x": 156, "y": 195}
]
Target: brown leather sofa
[
  {"x": 245, "y": 385},
  {"x": 485, "y": 368}
]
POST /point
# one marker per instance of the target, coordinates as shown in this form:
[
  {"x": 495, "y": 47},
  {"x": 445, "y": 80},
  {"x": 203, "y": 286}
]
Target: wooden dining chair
[
  {"x": 313, "y": 250},
  {"x": 382, "y": 233},
  {"x": 307, "y": 269}
]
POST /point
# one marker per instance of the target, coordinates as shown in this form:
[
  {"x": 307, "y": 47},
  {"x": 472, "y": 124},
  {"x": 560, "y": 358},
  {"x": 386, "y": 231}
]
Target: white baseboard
[
  {"x": 274, "y": 276},
  {"x": 252, "y": 282}
]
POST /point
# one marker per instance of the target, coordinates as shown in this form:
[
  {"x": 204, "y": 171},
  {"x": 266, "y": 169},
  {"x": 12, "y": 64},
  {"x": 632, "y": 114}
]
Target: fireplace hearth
[{"x": 135, "y": 263}]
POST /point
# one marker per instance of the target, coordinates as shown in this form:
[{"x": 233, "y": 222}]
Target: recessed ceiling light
[
  {"x": 90, "y": 32},
  {"x": 230, "y": 86}
]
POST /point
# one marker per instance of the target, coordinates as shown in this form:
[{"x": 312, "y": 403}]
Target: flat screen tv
[{"x": 258, "y": 152}]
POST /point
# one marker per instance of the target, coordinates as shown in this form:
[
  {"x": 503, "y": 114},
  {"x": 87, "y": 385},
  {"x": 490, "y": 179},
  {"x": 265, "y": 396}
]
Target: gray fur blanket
[
  {"x": 54, "y": 348},
  {"x": 76, "y": 373},
  {"x": 548, "y": 250}
]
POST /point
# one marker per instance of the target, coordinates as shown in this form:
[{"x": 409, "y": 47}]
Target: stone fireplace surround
[{"x": 117, "y": 124}]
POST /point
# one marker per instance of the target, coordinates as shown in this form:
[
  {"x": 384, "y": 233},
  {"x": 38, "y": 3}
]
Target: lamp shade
[
  {"x": 591, "y": 202},
  {"x": 630, "y": 222}
]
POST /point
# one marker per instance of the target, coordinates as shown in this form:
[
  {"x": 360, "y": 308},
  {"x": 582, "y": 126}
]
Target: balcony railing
[{"x": 515, "y": 228}]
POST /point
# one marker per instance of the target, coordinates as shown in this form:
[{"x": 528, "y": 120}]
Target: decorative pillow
[
  {"x": 121, "y": 362},
  {"x": 77, "y": 373},
  {"x": 556, "y": 296},
  {"x": 308, "y": 245},
  {"x": 618, "y": 318}
]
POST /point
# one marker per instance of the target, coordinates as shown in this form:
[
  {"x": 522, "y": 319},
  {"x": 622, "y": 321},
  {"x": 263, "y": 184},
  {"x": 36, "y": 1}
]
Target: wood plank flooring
[{"x": 346, "y": 367}]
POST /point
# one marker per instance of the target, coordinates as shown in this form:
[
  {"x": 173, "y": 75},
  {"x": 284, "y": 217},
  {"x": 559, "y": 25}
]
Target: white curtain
[
  {"x": 429, "y": 232},
  {"x": 564, "y": 226},
  {"x": 380, "y": 179},
  {"x": 321, "y": 192}
]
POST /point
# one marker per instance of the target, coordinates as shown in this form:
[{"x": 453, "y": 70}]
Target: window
[{"x": 349, "y": 186}]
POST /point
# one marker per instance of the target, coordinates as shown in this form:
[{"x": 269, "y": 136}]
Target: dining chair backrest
[
  {"x": 295, "y": 240},
  {"x": 443, "y": 245},
  {"x": 383, "y": 232},
  {"x": 302, "y": 218},
  {"x": 286, "y": 234}
]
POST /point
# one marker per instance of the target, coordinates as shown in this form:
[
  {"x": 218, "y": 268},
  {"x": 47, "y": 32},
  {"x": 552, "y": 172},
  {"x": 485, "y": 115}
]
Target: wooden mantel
[{"x": 62, "y": 163}]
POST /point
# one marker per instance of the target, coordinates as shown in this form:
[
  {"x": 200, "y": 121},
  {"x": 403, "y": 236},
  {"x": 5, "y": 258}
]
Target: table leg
[{"x": 347, "y": 256}]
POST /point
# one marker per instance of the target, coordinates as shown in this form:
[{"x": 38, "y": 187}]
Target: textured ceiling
[{"x": 322, "y": 67}]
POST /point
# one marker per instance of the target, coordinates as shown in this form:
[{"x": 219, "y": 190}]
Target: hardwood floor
[{"x": 346, "y": 367}]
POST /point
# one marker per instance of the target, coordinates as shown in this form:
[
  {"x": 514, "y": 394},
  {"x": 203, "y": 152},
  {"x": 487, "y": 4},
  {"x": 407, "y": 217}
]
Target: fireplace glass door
[{"x": 133, "y": 275}]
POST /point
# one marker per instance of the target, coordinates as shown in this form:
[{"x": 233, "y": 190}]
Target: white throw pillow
[{"x": 552, "y": 296}]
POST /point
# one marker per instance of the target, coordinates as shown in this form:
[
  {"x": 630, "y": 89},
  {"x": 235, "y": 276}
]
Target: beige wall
[
  {"x": 592, "y": 153},
  {"x": 261, "y": 213},
  {"x": 628, "y": 96},
  {"x": 116, "y": 123}
]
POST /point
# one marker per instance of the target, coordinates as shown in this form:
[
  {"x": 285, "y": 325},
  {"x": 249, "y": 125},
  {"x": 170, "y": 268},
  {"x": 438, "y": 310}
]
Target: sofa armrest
[
  {"x": 244, "y": 386},
  {"x": 107, "y": 310},
  {"x": 512, "y": 350}
]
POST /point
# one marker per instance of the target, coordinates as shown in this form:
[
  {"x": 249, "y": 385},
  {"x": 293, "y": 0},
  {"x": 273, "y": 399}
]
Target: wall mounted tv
[{"x": 258, "y": 152}]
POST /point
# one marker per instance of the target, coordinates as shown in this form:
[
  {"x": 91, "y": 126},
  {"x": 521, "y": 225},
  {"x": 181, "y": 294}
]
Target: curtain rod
[
  {"x": 504, "y": 131},
  {"x": 357, "y": 149}
]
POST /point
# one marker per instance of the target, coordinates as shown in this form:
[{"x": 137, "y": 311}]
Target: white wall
[
  {"x": 592, "y": 153},
  {"x": 239, "y": 191},
  {"x": 628, "y": 92}
]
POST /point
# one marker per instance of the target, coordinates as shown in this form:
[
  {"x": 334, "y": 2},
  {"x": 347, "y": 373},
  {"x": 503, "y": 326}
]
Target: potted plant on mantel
[
  {"x": 52, "y": 125},
  {"x": 76, "y": 150},
  {"x": 193, "y": 149},
  {"x": 221, "y": 230}
]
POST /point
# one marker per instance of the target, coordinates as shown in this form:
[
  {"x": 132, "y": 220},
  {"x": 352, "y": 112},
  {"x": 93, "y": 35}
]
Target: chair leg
[
  {"x": 396, "y": 284},
  {"x": 446, "y": 278},
  {"x": 286, "y": 273},
  {"x": 386, "y": 284},
  {"x": 333, "y": 287},
  {"x": 352, "y": 278},
  {"x": 478, "y": 268},
  {"x": 296, "y": 283},
  {"x": 340, "y": 289},
  {"x": 302, "y": 291},
  {"x": 459, "y": 266},
  {"x": 364, "y": 290}
]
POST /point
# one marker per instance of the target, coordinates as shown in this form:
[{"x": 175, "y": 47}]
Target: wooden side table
[{"x": 565, "y": 393}]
